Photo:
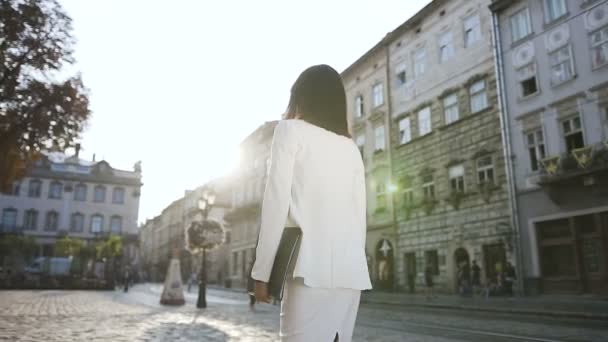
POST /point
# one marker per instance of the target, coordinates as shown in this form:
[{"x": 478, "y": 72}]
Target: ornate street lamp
[{"x": 201, "y": 236}]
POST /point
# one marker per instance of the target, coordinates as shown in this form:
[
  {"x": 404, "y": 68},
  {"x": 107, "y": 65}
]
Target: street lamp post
[{"x": 202, "y": 236}]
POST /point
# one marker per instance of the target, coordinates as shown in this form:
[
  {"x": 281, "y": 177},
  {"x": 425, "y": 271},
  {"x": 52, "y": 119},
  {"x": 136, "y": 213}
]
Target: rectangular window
[
  {"x": 359, "y": 106},
  {"x": 573, "y": 134},
  {"x": 485, "y": 170},
  {"x": 520, "y": 25},
  {"x": 527, "y": 80},
  {"x": 80, "y": 192},
  {"x": 405, "y": 131},
  {"x": 450, "y": 108},
  {"x": 428, "y": 186},
  {"x": 116, "y": 224},
  {"x": 77, "y": 223},
  {"x": 478, "y": 95},
  {"x": 419, "y": 62},
  {"x": 562, "y": 68},
  {"x": 30, "y": 221},
  {"x": 118, "y": 195},
  {"x": 400, "y": 75},
  {"x": 378, "y": 94},
  {"x": 35, "y": 188},
  {"x": 55, "y": 190},
  {"x": 536, "y": 148},
  {"x": 96, "y": 224},
  {"x": 360, "y": 141},
  {"x": 99, "y": 194},
  {"x": 408, "y": 196},
  {"x": 424, "y": 121},
  {"x": 446, "y": 47},
  {"x": 456, "y": 176},
  {"x": 9, "y": 219},
  {"x": 380, "y": 139},
  {"x": 431, "y": 260},
  {"x": 554, "y": 9},
  {"x": 599, "y": 47},
  {"x": 381, "y": 196},
  {"x": 52, "y": 221},
  {"x": 472, "y": 30}
]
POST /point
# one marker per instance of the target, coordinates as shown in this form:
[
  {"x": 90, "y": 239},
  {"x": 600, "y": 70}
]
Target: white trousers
[{"x": 317, "y": 314}]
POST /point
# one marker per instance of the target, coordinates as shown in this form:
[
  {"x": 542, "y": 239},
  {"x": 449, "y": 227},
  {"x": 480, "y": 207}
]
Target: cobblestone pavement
[{"x": 137, "y": 316}]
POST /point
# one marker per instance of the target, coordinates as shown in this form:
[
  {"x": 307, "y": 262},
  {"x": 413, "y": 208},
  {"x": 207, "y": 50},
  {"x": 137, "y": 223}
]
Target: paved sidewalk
[{"x": 550, "y": 306}]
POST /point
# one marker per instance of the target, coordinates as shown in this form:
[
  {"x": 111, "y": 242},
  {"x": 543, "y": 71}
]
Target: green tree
[
  {"x": 110, "y": 248},
  {"x": 40, "y": 110},
  {"x": 68, "y": 246}
]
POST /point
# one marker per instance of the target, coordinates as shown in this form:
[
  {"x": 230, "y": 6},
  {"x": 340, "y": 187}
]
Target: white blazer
[{"x": 316, "y": 182}]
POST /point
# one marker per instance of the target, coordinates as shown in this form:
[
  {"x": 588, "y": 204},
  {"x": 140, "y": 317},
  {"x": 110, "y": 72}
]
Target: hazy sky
[{"x": 178, "y": 84}]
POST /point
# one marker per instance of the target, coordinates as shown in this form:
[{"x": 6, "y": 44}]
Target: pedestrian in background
[
  {"x": 192, "y": 280},
  {"x": 509, "y": 278},
  {"x": 428, "y": 279},
  {"x": 316, "y": 181},
  {"x": 476, "y": 277},
  {"x": 466, "y": 279},
  {"x": 126, "y": 278}
]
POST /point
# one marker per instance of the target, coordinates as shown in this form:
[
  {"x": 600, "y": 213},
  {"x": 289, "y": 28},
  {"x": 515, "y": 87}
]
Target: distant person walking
[
  {"x": 510, "y": 278},
  {"x": 126, "y": 278},
  {"x": 192, "y": 280},
  {"x": 466, "y": 275},
  {"x": 428, "y": 279},
  {"x": 476, "y": 276}
]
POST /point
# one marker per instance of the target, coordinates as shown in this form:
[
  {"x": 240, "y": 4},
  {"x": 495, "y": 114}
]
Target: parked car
[{"x": 53, "y": 267}]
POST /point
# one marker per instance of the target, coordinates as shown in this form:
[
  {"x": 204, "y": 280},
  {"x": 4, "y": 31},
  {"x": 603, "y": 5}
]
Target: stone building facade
[
  {"x": 446, "y": 162},
  {"x": 68, "y": 196},
  {"x": 248, "y": 184},
  {"x": 553, "y": 66},
  {"x": 164, "y": 235},
  {"x": 368, "y": 105}
]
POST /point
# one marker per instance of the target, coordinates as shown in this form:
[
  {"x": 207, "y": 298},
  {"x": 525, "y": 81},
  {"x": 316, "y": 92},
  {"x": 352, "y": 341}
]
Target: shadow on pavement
[{"x": 184, "y": 332}]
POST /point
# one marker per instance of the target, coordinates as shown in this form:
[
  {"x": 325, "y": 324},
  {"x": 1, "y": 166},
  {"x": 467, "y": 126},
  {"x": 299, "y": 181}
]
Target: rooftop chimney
[
  {"x": 93, "y": 157},
  {"x": 77, "y": 147}
]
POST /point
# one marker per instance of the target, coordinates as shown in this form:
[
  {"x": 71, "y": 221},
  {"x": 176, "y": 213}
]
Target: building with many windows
[
  {"x": 163, "y": 236},
  {"x": 248, "y": 185},
  {"x": 553, "y": 68},
  {"x": 68, "y": 196},
  {"x": 433, "y": 148},
  {"x": 368, "y": 105}
]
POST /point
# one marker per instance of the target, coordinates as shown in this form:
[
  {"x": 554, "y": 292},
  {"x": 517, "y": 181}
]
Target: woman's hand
[{"x": 261, "y": 292}]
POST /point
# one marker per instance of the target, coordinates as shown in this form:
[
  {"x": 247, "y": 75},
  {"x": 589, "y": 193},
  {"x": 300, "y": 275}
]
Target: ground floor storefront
[{"x": 573, "y": 253}]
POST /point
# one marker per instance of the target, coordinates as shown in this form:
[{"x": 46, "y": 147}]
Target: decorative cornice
[{"x": 475, "y": 78}]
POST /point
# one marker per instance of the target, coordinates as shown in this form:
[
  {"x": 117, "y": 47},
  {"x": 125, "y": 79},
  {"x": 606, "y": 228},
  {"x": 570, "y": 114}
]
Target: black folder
[{"x": 284, "y": 261}]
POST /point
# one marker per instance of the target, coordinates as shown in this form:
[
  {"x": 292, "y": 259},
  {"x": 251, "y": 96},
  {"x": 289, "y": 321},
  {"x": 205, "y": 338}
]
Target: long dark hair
[{"x": 318, "y": 97}]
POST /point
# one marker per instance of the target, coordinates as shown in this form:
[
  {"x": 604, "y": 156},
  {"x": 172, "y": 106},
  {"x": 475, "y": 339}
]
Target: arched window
[
  {"x": 34, "y": 188},
  {"x": 100, "y": 193},
  {"x": 52, "y": 221},
  {"x": 9, "y": 219},
  {"x": 118, "y": 195},
  {"x": 77, "y": 222},
  {"x": 80, "y": 192},
  {"x": 96, "y": 224},
  {"x": 55, "y": 190},
  {"x": 30, "y": 220},
  {"x": 116, "y": 225}
]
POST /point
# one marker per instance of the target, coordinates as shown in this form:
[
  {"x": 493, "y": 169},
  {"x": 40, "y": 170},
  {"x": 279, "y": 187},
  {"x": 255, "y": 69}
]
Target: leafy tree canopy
[{"x": 40, "y": 108}]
